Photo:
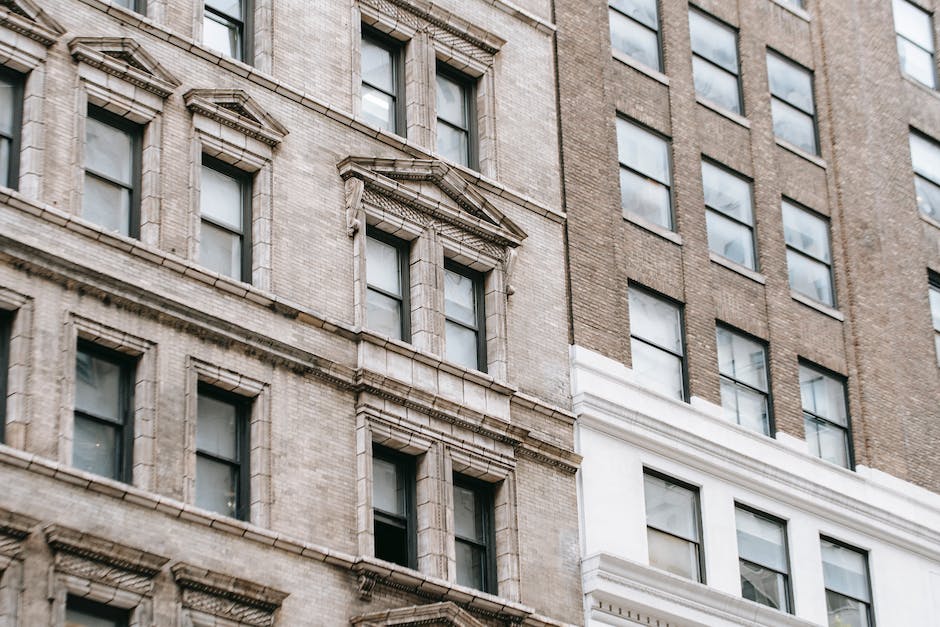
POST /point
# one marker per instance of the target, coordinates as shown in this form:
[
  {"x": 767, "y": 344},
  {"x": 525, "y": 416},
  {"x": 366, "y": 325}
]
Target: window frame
[
  {"x": 829, "y": 264},
  {"x": 869, "y": 605},
  {"x": 6, "y": 333},
  {"x": 932, "y": 179},
  {"x": 137, "y": 6},
  {"x": 407, "y": 466},
  {"x": 680, "y": 307},
  {"x": 127, "y": 364},
  {"x": 120, "y": 616},
  {"x": 737, "y": 53},
  {"x": 136, "y": 133},
  {"x": 771, "y": 420},
  {"x": 403, "y": 247},
  {"x": 242, "y": 407},
  {"x": 932, "y": 53},
  {"x": 752, "y": 228},
  {"x": 784, "y": 525},
  {"x": 849, "y": 437},
  {"x": 18, "y": 81},
  {"x": 396, "y": 49},
  {"x": 661, "y": 60},
  {"x": 812, "y": 87},
  {"x": 244, "y": 28},
  {"x": 469, "y": 85},
  {"x": 479, "y": 291},
  {"x": 672, "y": 226},
  {"x": 933, "y": 285},
  {"x": 246, "y": 185},
  {"x": 484, "y": 498},
  {"x": 697, "y": 512}
]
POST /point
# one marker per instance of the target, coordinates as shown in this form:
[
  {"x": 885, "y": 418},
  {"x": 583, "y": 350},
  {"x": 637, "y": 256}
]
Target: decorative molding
[
  {"x": 14, "y": 529},
  {"x": 227, "y": 597},
  {"x": 235, "y": 109},
  {"x": 445, "y": 614},
  {"x": 365, "y": 583},
  {"x": 124, "y": 58},
  {"x": 28, "y": 19}
]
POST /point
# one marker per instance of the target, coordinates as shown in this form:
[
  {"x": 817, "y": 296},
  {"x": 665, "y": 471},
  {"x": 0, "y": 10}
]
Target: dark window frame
[
  {"x": 407, "y": 467},
  {"x": 136, "y": 133},
  {"x": 829, "y": 264},
  {"x": 849, "y": 436},
  {"x": 751, "y": 227},
  {"x": 137, "y": 6},
  {"x": 242, "y": 406},
  {"x": 246, "y": 184},
  {"x": 683, "y": 357},
  {"x": 673, "y": 223},
  {"x": 933, "y": 53},
  {"x": 771, "y": 420},
  {"x": 737, "y": 52},
  {"x": 469, "y": 85},
  {"x": 404, "y": 267},
  {"x": 784, "y": 524},
  {"x": 869, "y": 605},
  {"x": 658, "y": 32},
  {"x": 18, "y": 82},
  {"x": 484, "y": 501},
  {"x": 396, "y": 49},
  {"x": 479, "y": 291},
  {"x": 933, "y": 178},
  {"x": 244, "y": 28},
  {"x": 812, "y": 89},
  {"x": 933, "y": 283},
  {"x": 120, "y": 616},
  {"x": 697, "y": 491},
  {"x": 6, "y": 333},
  {"x": 127, "y": 365}
]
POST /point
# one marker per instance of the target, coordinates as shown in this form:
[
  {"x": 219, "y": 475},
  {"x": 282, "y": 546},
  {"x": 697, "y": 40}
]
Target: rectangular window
[
  {"x": 112, "y": 172},
  {"x": 925, "y": 157},
  {"x": 634, "y": 30},
  {"x": 225, "y": 212},
  {"x": 656, "y": 343},
  {"x": 673, "y": 528},
  {"x": 11, "y": 123},
  {"x": 140, "y": 6},
  {"x": 393, "y": 506},
  {"x": 762, "y": 555},
  {"x": 742, "y": 363},
  {"x": 825, "y": 416},
  {"x": 914, "y": 27},
  {"x": 792, "y": 103},
  {"x": 103, "y": 437},
  {"x": 474, "y": 538},
  {"x": 226, "y": 27},
  {"x": 382, "y": 81},
  {"x": 456, "y": 116},
  {"x": 645, "y": 174},
  {"x": 464, "y": 315},
  {"x": 387, "y": 285},
  {"x": 6, "y": 324},
  {"x": 222, "y": 452},
  {"x": 809, "y": 263},
  {"x": 934, "y": 294},
  {"x": 715, "y": 61},
  {"x": 729, "y": 215},
  {"x": 848, "y": 589},
  {"x": 81, "y": 612}
]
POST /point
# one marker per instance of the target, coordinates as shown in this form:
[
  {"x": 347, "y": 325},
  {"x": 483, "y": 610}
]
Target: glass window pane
[
  {"x": 460, "y": 298},
  {"x": 106, "y": 204},
  {"x": 727, "y": 193},
  {"x": 220, "y": 198},
  {"x": 642, "y": 151},
  {"x": 232, "y": 8},
  {"x": 460, "y": 345},
  {"x": 913, "y": 23},
  {"x": 391, "y": 542},
  {"x": 761, "y": 540},
  {"x": 5, "y": 147},
  {"x": 655, "y": 320},
  {"x": 383, "y": 267},
  {"x": 451, "y": 101},
  {"x": 94, "y": 447},
  {"x": 916, "y": 62},
  {"x": 928, "y": 197},
  {"x": 823, "y": 396},
  {"x": 383, "y": 314},
  {"x": 216, "y": 427},
  {"x": 215, "y": 486},
  {"x": 845, "y": 570},
  {"x": 806, "y": 232},
  {"x": 657, "y": 369},
  {"x": 388, "y": 489},
  {"x": 790, "y": 82},
  {"x": 810, "y": 278},
  {"x": 453, "y": 144},
  {"x": 732, "y": 240},
  {"x": 634, "y": 40},
  {"x": 7, "y": 103},
  {"x": 827, "y": 441},
  {"x": 714, "y": 41},
  {"x": 925, "y": 157},
  {"x": 98, "y": 386},
  {"x": 469, "y": 565},
  {"x": 108, "y": 151},
  {"x": 377, "y": 65},
  {"x": 220, "y": 251},
  {"x": 645, "y": 198},
  {"x": 378, "y": 108},
  {"x": 742, "y": 359},
  {"x": 745, "y": 407},
  {"x": 764, "y": 586},
  {"x": 935, "y": 306},
  {"x": 793, "y": 126},
  {"x": 643, "y": 11},
  {"x": 467, "y": 520},
  {"x": 77, "y": 618},
  {"x": 220, "y": 36},
  {"x": 672, "y": 554},
  {"x": 716, "y": 85},
  {"x": 845, "y": 612},
  {"x": 671, "y": 508}
]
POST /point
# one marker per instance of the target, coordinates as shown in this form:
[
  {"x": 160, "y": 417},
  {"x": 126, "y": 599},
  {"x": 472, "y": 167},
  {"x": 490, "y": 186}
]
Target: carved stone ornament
[
  {"x": 236, "y": 109},
  {"x": 445, "y": 614},
  {"x": 227, "y": 597},
  {"x": 123, "y": 58},
  {"x": 14, "y": 528},
  {"x": 27, "y": 18}
]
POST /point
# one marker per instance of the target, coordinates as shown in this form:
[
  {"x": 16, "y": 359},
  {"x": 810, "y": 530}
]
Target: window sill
[
  {"x": 642, "y": 68},
  {"x": 736, "y": 267},
  {"x": 800, "y": 13},
  {"x": 799, "y": 152},
  {"x": 931, "y": 221},
  {"x": 740, "y": 120},
  {"x": 809, "y": 302},
  {"x": 655, "y": 229},
  {"x": 930, "y": 90}
]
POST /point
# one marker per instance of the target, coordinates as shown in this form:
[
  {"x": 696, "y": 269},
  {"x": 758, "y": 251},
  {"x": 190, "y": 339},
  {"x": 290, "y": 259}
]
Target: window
[
  {"x": 794, "y": 3},
  {"x": 848, "y": 590},
  {"x": 742, "y": 363},
  {"x": 112, "y": 172},
  {"x": 6, "y": 323},
  {"x": 762, "y": 555},
  {"x": 226, "y": 27},
  {"x": 715, "y": 61},
  {"x": 11, "y": 119},
  {"x": 393, "y": 506},
  {"x": 456, "y": 116},
  {"x": 645, "y": 174},
  {"x": 222, "y": 452},
  {"x": 673, "y": 528},
  {"x": 791, "y": 103},
  {"x": 225, "y": 211},
  {"x": 809, "y": 263},
  {"x": 382, "y": 81},
  {"x": 103, "y": 435},
  {"x": 634, "y": 30},
  {"x": 925, "y": 157},
  {"x": 825, "y": 416},
  {"x": 915, "y": 42},
  {"x": 729, "y": 215},
  {"x": 140, "y": 6},
  {"x": 81, "y": 612},
  {"x": 656, "y": 343},
  {"x": 934, "y": 295},
  {"x": 473, "y": 534},
  {"x": 387, "y": 285},
  {"x": 465, "y": 322}
]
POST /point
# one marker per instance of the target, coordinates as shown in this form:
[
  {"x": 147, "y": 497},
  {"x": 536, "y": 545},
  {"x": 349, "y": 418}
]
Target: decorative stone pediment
[
  {"x": 445, "y": 614},
  {"x": 14, "y": 528},
  {"x": 235, "y": 109},
  {"x": 27, "y": 18},
  {"x": 124, "y": 58},
  {"x": 210, "y": 596}
]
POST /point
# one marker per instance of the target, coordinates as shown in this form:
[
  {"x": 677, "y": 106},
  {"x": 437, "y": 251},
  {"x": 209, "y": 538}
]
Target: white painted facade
[{"x": 623, "y": 428}]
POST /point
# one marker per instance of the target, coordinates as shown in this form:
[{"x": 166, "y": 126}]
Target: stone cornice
[
  {"x": 31, "y": 21},
  {"x": 251, "y": 595},
  {"x": 105, "y": 551},
  {"x": 123, "y": 58},
  {"x": 237, "y": 110}
]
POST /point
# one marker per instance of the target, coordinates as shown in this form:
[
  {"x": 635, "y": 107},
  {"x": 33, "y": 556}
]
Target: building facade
[{"x": 271, "y": 275}]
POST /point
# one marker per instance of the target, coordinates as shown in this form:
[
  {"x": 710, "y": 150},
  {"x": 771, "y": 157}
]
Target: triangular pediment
[
  {"x": 126, "y": 59},
  {"x": 236, "y": 109},
  {"x": 28, "y": 18},
  {"x": 445, "y": 614}
]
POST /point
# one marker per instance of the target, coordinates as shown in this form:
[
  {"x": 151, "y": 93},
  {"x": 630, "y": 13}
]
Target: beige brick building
[{"x": 272, "y": 275}]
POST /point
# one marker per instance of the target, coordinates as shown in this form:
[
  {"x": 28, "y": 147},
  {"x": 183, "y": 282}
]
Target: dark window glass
[
  {"x": 134, "y": 5},
  {"x": 914, "y": 28},
  {"x": 6, "y": 324},
  {"x": 656, "y": 343},
  {"x": 762, "y": 551},
  {"x": 465, "y": 321},
  {"x": 226, "y": 27},
  {"x": 673, "y": 526},
  {"x": 112, "y": 172},
  {"x": 11, "y": 124},
  {"x": 809, "y": 263},
  {"x": 103, "y": 434},
  {"x": 645, "y": 174},
  {"x": 715, "y": 61},
  {"x": 792, "y": 105},
  {"x": 456, "y": 117},
  {"x": 925, "y": 157},
  {"x": 634, "y": 30},
  {"x": 222, "y": 453},
  {"x": 742, "y": 363},
  {"x": 393, "y": 506},
  {"x": 848, "y": 591},
  {"x": 382, "y": 81},
  {"x": 225, "y": 211},
  {"x": 934, "y": 295},
  {"x": 474, "y": 537},
  {"x": 729, "y": 215},
  {"x": 388, "y": 309},
  {"x": 825, "y": 416},
  {"x": 84, "y": 613}
]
